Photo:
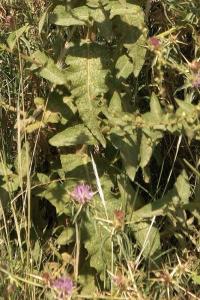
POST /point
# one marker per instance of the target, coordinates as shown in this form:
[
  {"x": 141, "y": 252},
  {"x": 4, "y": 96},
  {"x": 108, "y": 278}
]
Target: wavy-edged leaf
[
  {"x": 77, "y": 166},
  {"x": 150, "y": 137},
  {"x": 98, "y": 245},
  {"x": 155, "y": 107},
  {"x": 58, "y": 195},
  {"x": 76, "y": 135},
  {"x": 4, "y": 169},
  {"x": 46, "y": 68},
  {"x": 22, "y": 160},
  {"x": 64, "y": 16},
  {"x": 87, "y": 74},
  {"x": 131, "y": 28},
  {"x": 129, "y": 151},
  {"x": 130, "y": 197},
  {"x": 142, "y": 232},
  {"x": 86, "y": 279},
  {"x": 183, "y": 187},
  {"x": 124, "y": 66},
  {"x": 67, "y": 236},
  {"x": 178, "y": 195},
  {"x": 97, "y": 234}
]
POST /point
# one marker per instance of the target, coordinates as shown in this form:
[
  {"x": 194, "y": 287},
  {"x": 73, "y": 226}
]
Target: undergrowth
[{"x": 99, "y": 149}]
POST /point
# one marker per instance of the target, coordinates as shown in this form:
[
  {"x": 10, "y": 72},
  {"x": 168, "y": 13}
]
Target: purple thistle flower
[
  {"x": 82, "y": 193},
  {"x": 63, "y": 285}
]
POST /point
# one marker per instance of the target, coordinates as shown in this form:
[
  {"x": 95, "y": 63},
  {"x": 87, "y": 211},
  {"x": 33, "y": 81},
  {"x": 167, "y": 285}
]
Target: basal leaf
[
  {"x": 11, "y": 183},
  {"x": 115, "y": 103},
  {"x": 87, "y": 279}
]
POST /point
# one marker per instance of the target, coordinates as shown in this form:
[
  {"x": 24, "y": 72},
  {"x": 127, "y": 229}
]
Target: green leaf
[
  {"x": 183, "y": 187},
  {"x": 195, "y": 278},
  {"x": 58, "y": 195},
  {"x": 129, "y": 151},
  {"x": 4, "y": 170},
  {"x": 146, "y": 150},
  {"x": 97, "y": 234},
  {"x": 42, "y": 20},
  {"x": 14, "y": 37},
  {"x": 64, "y": 16},
  {"x": 115, "y": 103},
  {"x": 87, "y": 279},
  {"x": 87, "y": 74},
  {"x": 82, "y": 15},
  {"x": 178, "y": 196},
  {"x": 185, "y": 106},
  {"x": 43, "y": 178},
  {"x": 155, "y": 108},
  {"x": 150, "y": 136},
  {"x": 36, "y": 251},
  {"x": 78, "y": 166},
  {"x": 120, "y": 9},
  {"x": 63, "y": 106},
  {"x": 137, "y": 52},
  {"x": 46, "y": 68},
  {"x": 72, "y": 161},
  {"x": 89, "y": 115},
  {"x": 130, "y": 197},
  {"x": 98, "y": 245},
  {"x": 23, "y": 160},
  {"x": 67, "y": 236},
  {"x": 141, "y": 232},
  {"x": 10, "y": 183},
  {"x": 124, "y": 67},
  {"x": 76, "y": 135},
  {"x": 131, "y": 28}
]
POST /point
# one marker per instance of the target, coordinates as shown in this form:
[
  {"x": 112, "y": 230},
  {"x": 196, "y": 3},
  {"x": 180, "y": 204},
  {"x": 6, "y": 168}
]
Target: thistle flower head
[
  {"x": 63, "y": 285},
  {"x": 196, "y": 81},
  {"x": 82, "y": 193},
  {"x": 154, "y": 42}
]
